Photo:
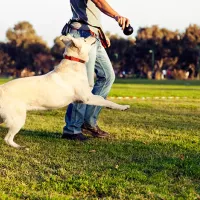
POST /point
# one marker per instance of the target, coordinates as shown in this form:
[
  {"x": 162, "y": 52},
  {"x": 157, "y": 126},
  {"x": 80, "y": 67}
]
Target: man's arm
[{"x": 108, "y": 10}]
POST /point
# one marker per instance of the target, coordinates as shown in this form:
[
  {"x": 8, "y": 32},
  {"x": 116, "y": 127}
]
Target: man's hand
[
  {"x": 108, "y": 10},
  {"x": 123, "y": 21}
]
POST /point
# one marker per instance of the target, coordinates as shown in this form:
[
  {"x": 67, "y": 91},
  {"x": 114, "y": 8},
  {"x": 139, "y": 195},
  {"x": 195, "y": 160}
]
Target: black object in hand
[{"x": 128, "y": 30}]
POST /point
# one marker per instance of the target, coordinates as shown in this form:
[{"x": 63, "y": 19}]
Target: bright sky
[{"x": 49, "y": 16}]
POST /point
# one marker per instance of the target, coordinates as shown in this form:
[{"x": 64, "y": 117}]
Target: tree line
[{"x": 157, "y": 53}]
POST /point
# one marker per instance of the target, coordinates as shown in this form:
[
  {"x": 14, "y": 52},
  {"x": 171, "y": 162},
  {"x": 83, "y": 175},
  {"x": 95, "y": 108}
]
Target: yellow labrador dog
[{"x": 67, "y": 83}]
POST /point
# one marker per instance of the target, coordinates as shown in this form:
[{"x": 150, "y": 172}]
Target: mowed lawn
[{"x": 153, "y": 151}]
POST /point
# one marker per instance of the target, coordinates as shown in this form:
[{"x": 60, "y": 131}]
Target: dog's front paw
[{"x": 125, "y": 107}]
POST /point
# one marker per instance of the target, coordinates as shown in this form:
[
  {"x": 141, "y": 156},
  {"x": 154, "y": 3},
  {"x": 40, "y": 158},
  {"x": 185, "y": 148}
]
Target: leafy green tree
[
  {"x": 191, "y": 49},
  {"x": 155, "y": 49},
  {"x": 43, "y": 63},
  {"x": 26, "y": 44},
  {"x": 23, "y": 34},
  {"x": 5, "y": 62},
  {"x": 191, "y": 37}
]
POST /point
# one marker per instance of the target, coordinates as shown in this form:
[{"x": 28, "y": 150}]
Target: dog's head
[{"x": 77, "y": 47}]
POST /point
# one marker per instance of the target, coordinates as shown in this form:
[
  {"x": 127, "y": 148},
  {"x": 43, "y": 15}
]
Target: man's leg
[
  {"x": 105, "y": 78},
  {"x": 74, "y": 116}
]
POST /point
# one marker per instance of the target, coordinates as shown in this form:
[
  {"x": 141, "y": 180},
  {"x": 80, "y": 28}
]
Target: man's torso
[{"x": 87, "y": 11}]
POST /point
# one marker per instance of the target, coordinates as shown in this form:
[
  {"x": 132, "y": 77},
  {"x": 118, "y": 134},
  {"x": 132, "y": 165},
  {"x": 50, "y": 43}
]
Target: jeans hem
[{"x": 71, "y": 133}]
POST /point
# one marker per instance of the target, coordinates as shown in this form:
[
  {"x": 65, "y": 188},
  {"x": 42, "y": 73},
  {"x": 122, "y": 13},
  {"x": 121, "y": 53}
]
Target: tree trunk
[{"x": 149, "y": 75}]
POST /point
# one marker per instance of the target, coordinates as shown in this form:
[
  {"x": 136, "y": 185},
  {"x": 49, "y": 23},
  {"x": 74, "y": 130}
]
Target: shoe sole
[{"x": 75, "y": 139}]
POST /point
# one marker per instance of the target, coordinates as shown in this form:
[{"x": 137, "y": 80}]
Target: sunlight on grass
[{"x": 153, "y": 152}]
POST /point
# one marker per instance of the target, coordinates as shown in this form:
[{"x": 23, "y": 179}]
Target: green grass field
[{"x": 153, "y": 151}]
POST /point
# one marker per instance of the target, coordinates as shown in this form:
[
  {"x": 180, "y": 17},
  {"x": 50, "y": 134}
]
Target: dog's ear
[
  {"x": 68, "y": 38},
  {"x": 62, "y": 38}
]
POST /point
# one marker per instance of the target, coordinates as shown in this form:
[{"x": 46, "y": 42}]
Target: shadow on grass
[
  {"x": 106, "y": 165},
  {"x": 42, "y": 134}
]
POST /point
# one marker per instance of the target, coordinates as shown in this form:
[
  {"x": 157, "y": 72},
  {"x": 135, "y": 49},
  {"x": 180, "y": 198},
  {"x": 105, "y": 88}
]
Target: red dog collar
[{"x": 74, "y": 59}]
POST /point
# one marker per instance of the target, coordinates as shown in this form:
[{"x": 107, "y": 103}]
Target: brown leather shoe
[
  {"x": 78, "y": 136},
  {"x": 94, "y": 131}
]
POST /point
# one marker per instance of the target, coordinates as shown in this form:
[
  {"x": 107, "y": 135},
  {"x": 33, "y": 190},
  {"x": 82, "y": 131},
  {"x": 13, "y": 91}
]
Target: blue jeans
[{"x": 99, "y": 62}]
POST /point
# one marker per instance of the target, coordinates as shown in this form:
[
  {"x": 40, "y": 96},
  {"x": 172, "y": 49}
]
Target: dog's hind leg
[
  {"x": 100, "y": 101},
  {"x": 14, "y": 124}
]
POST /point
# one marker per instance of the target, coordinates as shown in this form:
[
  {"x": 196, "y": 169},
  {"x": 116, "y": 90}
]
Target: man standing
[{"x": 80, "y": 118}]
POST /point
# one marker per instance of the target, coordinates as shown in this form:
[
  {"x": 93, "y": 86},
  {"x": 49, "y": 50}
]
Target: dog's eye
[{"x": 84, "y": 40}]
